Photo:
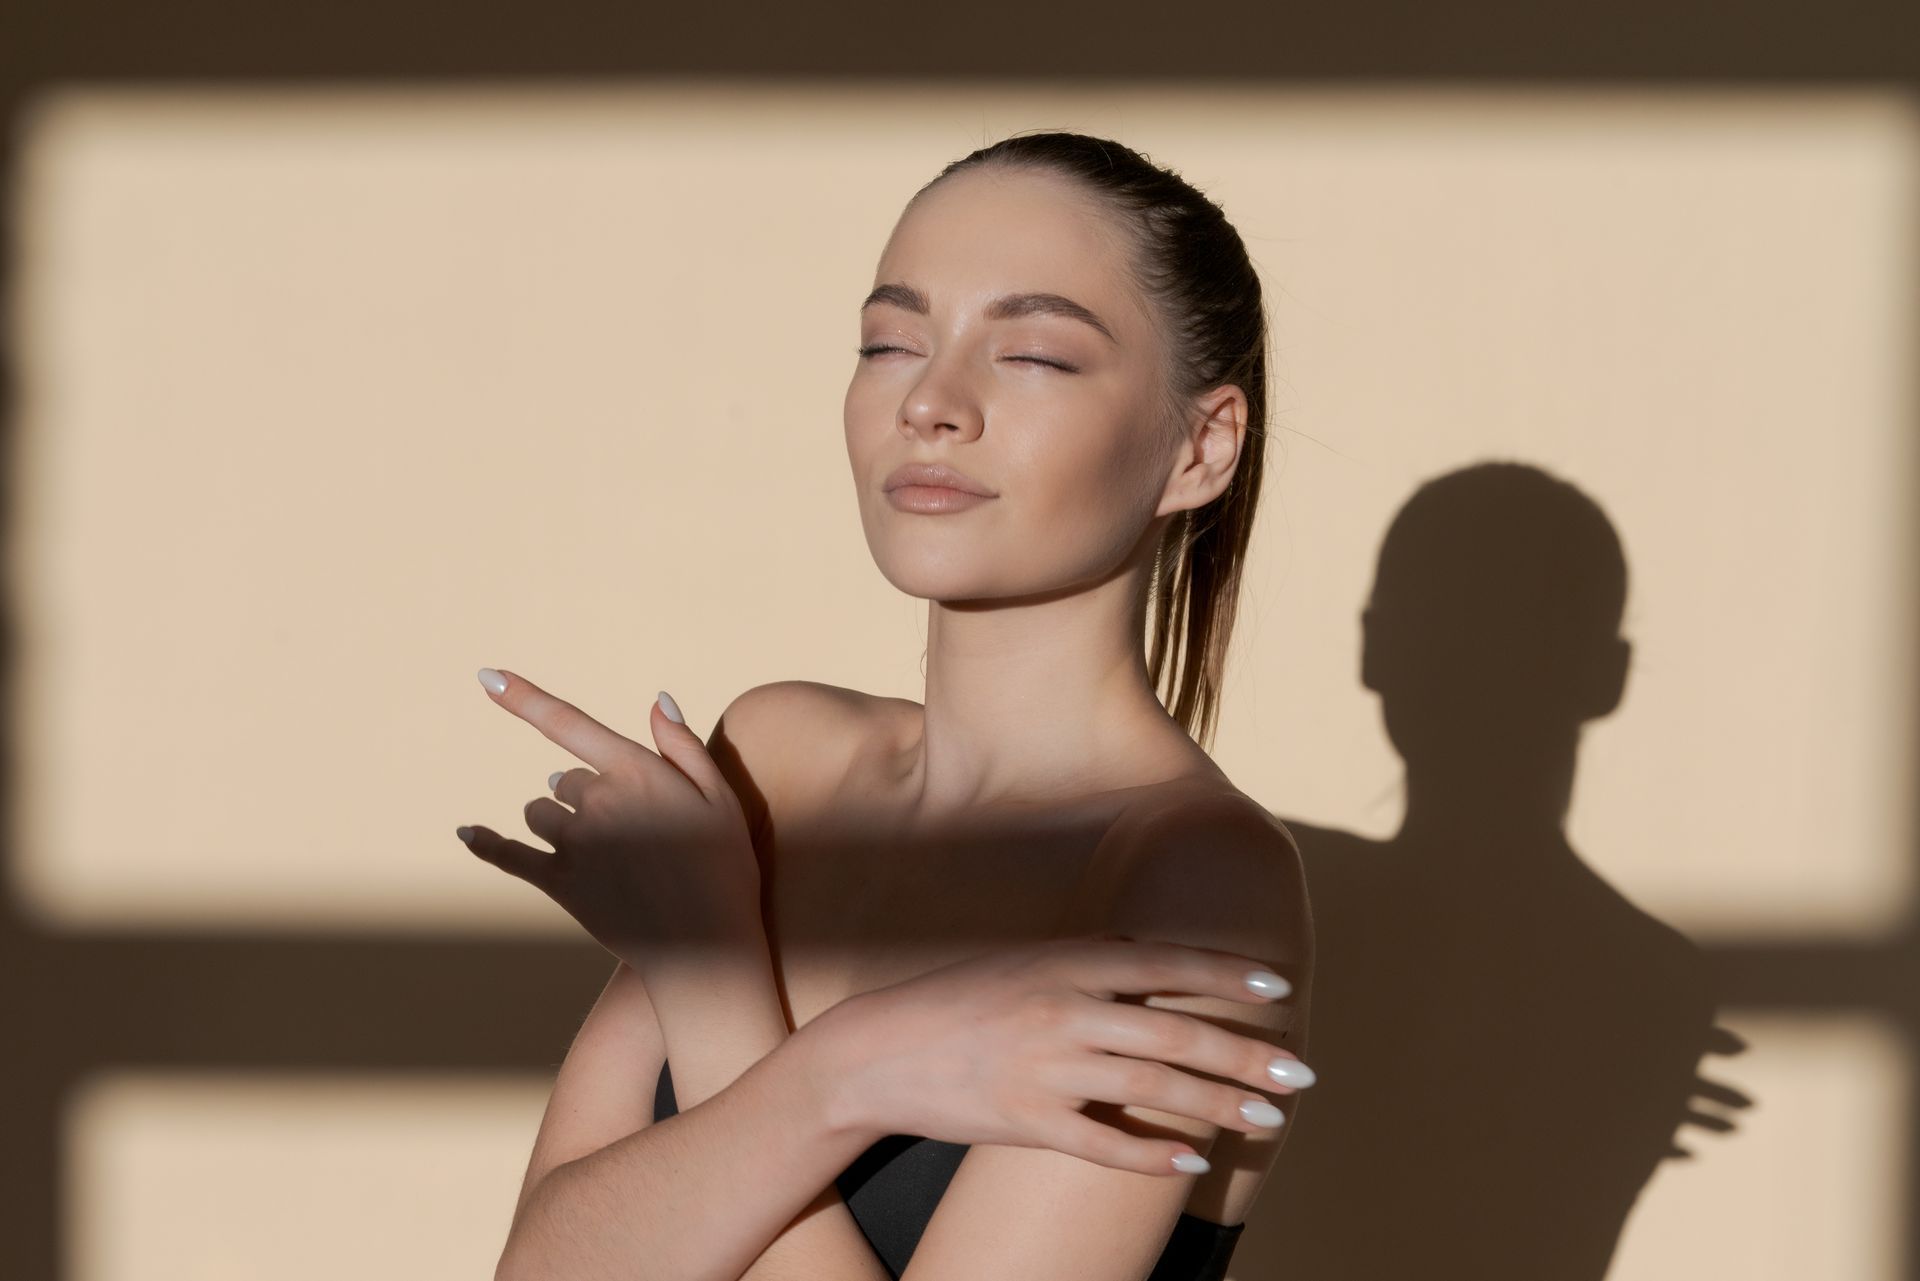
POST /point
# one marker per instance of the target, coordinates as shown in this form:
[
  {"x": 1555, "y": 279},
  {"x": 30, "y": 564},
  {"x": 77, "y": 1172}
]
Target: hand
[
  {"x": 1720, "y": 1040},
  {"x": 654, "y": 854},
  {"x": 1005, "y": 1048}
]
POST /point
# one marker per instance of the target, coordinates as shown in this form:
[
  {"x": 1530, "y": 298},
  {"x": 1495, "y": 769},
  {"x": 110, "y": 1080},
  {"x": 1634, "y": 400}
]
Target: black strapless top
[{"x": 893, "y": 1187}]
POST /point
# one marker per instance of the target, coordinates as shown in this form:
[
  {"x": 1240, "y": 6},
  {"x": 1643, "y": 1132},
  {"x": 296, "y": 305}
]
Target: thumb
[{"x": 679, "y": 744}]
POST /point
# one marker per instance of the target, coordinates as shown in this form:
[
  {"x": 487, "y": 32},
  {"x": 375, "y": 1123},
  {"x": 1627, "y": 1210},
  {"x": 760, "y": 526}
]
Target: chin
[
  {"x": 975, "y": 572},
  {"x": 963, "y": 573}
]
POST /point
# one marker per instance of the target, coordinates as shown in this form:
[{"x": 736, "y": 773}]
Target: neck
[
  {"x": 1040, "y": 699},
  {"x": 1487, "y": 804}
]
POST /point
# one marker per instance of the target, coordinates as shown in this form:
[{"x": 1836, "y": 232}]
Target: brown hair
[{"x": 1192, "y": 266}]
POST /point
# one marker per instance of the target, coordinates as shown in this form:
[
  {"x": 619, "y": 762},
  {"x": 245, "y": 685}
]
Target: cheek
[
  {"x": 852, "y": 411},
  {"x": 1097, "y": 493},
  {"x": 1110, "y": 467}
]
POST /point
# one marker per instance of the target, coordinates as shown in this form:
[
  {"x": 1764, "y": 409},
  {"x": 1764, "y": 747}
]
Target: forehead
[{"x": 986, "y": 231}]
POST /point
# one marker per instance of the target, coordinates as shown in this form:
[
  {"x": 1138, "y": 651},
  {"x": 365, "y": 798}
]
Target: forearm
[{"x": 712, "y": 1193}]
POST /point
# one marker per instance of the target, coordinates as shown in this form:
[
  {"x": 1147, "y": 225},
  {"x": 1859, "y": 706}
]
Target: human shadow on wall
[{"x": 1506, "y": 1045}]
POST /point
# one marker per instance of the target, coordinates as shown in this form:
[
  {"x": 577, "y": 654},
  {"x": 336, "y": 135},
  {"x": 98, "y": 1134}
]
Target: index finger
[{"x": 559, "y": 720}]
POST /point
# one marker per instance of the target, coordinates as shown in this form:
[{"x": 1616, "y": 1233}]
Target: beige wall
[{"x": 330, "y": 397}]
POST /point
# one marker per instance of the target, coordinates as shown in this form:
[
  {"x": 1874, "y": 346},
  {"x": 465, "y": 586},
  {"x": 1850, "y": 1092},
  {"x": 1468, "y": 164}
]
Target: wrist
[
  {"x": 828, "y": 1064},
  {"x": 731, "y": 957}
]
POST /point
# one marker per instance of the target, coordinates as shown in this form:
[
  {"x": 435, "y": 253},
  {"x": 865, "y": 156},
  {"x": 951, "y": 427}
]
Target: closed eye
[{"x": 874, "y": 349}]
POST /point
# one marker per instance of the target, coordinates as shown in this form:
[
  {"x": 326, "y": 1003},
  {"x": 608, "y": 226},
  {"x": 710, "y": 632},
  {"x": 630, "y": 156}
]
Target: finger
[
  {"x": 570, "y": 786},
  {"x": 1707, "y": 1121},
  {"x": 1105, "y": 965},
  {"x": 547, "y": 818},
  {"x": 1724, "y": 1040},
  {"x": 1169, "y": 1036},
  {"x": 524, "y": 861},
  {"x": 1079, "y": 1135},
  {"x": 679, "y": 744},
  {"x": 1725, "y": 1095},
  {"x": 1112, "y": 1078},
  {"x": 560, "y": 720}
]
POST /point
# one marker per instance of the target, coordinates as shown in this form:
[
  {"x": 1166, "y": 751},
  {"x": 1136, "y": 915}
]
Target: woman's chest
[{"x": 852, "y": 906}]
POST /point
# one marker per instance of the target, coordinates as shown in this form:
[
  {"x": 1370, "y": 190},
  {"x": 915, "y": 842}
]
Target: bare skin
[
  {"x": 897, "y": 836},
  {"x": 861, "y": 895},
  {"x": 769, "y": 1115}
]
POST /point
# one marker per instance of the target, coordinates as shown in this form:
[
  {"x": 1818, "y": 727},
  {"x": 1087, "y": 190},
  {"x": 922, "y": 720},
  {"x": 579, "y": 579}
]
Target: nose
[{"x": 939, "y": 404}]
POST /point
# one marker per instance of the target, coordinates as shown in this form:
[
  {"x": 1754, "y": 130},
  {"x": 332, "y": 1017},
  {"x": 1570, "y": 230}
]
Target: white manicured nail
[
  {"x": 553, "y": 779},
  {"x": 1191, "y": 1163},
  {"x": 671, "y": 708},
  {"x": 494, "y": 681},
  {"x": 1291, "y": 1072},
  {"x": 1267, "y": 983},
  {"x": 1261, "y": 1112}
]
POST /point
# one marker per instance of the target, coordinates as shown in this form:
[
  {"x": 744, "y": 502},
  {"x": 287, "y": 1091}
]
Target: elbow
[
  {"x": 518, "y": 1261},
  {"x": 512, "y": 1264}
]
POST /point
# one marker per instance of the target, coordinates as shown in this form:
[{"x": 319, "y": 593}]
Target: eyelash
[{"x": 876, "y": 348}]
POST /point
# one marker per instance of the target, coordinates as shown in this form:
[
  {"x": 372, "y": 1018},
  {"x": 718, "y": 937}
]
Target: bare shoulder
[
  {"x": 1207, "y": 865},
  {"x": 785, "y": 738},
  {"x": 1202, "y": 807},
  {"x": 1207, "y": 832}
]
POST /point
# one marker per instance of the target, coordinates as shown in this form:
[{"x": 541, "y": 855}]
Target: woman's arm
[{"x": 713, "y": 1192}]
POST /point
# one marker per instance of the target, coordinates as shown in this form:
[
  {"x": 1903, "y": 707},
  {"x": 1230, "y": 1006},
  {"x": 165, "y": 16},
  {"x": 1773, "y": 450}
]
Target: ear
[{"x": 1209, "y": 451}]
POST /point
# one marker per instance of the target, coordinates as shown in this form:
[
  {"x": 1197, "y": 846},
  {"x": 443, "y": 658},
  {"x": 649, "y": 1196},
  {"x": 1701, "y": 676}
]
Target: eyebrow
[{"x": 1005, "y": 307}]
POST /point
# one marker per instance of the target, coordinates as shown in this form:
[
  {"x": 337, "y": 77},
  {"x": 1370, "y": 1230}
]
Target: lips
[{"x": 937, "y": 475}]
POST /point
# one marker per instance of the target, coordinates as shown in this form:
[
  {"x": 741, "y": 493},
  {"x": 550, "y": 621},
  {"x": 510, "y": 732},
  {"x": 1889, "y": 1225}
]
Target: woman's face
[{"x": 1076, "y": 458}]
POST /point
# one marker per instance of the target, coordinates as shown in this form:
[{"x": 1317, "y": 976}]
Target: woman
[{"x": 1028, "y": 919}]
